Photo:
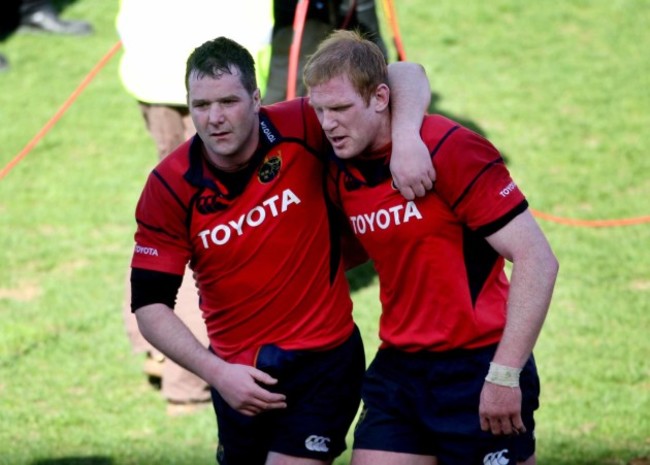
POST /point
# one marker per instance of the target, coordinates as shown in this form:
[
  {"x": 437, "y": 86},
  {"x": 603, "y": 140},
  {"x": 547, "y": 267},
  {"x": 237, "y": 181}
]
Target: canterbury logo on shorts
[
  {"x": 317, "y": 443},
  {"x": 496, "y": 458}
]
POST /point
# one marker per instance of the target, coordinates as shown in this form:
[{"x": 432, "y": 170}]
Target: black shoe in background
[{"x": 46, "y": 19}]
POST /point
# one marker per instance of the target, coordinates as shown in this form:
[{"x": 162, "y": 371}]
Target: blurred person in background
[
  {"x": 9, "y": 21},
  {"x": 42, "y": 16},
  {"x": 152, "y": 70},
  {"x": 35, "y": 15},
  {"x": 323, "y": 17}
]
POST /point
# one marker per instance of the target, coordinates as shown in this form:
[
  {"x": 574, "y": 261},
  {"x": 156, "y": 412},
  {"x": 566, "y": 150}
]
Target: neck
[
  {"x": 230, "y": 167},
  {"x": 383, "y": 135}
]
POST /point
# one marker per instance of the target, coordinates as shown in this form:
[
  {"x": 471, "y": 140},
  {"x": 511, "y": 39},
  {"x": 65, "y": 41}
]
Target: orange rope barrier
[
  {"x": 62, "y": 109},
  {"x": 591, "y": 223},
  {"x": 391, "y": 16},
  {"x": 294, "y": 52}
]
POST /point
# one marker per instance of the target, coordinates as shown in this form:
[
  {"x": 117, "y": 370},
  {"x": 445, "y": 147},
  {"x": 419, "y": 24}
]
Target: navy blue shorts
[
  {"x": 323, "y": 390},
  {"x": 427, "y": 404}
]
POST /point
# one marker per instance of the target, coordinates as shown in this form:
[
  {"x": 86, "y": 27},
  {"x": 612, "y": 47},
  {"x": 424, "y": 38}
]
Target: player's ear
[
  {"x": 257, "y": 100},
  {"x": 381, "y": 97}
]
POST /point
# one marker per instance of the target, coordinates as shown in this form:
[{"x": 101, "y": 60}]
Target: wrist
[
  {"x": 502, "y": 375},
  {"x": 405, "y": 130}
]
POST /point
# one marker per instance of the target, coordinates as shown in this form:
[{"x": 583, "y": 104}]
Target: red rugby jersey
[
  {"x": 442, "y": 286},
  {"x": 266, "y": 258}
]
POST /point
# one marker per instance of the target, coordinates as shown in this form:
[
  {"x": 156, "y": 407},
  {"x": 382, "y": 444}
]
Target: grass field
[{"x": 562, "y": 88}]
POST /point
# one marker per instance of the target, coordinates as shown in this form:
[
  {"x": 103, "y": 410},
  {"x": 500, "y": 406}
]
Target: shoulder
[
  {"x": 447, "y": 138},
  {"x": 170, "y": 180},
  {"x": 177, "y": 161},
  {"x": 294, "y": 119},
  {"x": 438, "y": 130}
]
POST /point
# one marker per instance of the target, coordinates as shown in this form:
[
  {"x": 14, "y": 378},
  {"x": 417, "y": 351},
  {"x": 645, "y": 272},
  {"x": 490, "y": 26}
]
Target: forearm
[
  {"x": 165, "y": 331},
  {"x": 532, "y": 282},
  {"x": 239, "y": 385},
  {"x": 410, "y": 163},
  {"x": 534, "y": 269},
  {"x": 410, "y": 97}
]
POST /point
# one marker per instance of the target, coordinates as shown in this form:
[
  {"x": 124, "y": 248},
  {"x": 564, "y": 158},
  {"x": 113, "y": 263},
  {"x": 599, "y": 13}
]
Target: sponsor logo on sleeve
[
  {"x": 151, "y": 251},
  {"x": 509, "y": 189}
]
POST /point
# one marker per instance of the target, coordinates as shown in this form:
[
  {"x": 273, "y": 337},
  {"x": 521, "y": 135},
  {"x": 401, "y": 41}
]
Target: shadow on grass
[
  {"x": 468, "y": 123},
  {"x": 92, "y": 460},
  {"x": 361, "y": 276},
  {"x": 61, "y": 5}
]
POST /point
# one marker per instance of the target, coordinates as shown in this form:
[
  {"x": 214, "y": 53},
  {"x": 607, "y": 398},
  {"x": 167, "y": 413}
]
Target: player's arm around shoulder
[{"x": 410, "y": 96}]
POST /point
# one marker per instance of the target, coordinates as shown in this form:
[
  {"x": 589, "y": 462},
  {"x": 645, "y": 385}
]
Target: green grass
[{"x": 560, "y": 87}]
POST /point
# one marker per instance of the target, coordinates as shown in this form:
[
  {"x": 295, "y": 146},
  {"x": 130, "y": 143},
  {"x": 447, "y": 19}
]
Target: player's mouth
[
  {"x": 337, "y": 141},
  {"x": 220, "y": 135}
]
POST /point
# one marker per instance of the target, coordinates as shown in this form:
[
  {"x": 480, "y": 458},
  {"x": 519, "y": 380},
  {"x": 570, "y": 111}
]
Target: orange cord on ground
[
  {"x": 59, "y": 113},
  {"x": 591, "y": 223}
]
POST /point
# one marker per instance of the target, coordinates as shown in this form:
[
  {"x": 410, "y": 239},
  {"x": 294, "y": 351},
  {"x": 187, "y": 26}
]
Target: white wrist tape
[{"x": 503, "y": 375}]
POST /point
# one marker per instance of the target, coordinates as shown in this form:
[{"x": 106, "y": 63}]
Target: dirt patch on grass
[{"x": 25, "y": 292}]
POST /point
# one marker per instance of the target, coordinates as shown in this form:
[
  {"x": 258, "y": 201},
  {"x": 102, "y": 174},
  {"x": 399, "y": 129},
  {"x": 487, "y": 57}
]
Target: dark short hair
[{"x": 219, "y": 56}]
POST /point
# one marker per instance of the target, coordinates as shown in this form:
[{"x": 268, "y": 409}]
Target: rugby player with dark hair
[{"x": 244, "y": 203}]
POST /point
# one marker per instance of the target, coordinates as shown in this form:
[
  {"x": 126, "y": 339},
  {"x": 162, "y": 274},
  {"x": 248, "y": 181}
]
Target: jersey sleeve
[
  {"x": 161, "y": 238},
  {"x": 475, "y": 183}
]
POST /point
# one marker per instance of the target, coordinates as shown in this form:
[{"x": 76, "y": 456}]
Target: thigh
[
  {"x": 243, "y": 440},
  {"x": 323, "y": 396},
  {"x": 427, "y": 404},
  {"x": 377, "y": 457},
  {"x": 275, "y": 458},
  {"x": 532, "y": 460},
  {"x": 530, "y": 392},
  {"x": 392, "y": 415},
  {"x": 456, "y": 386}
]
